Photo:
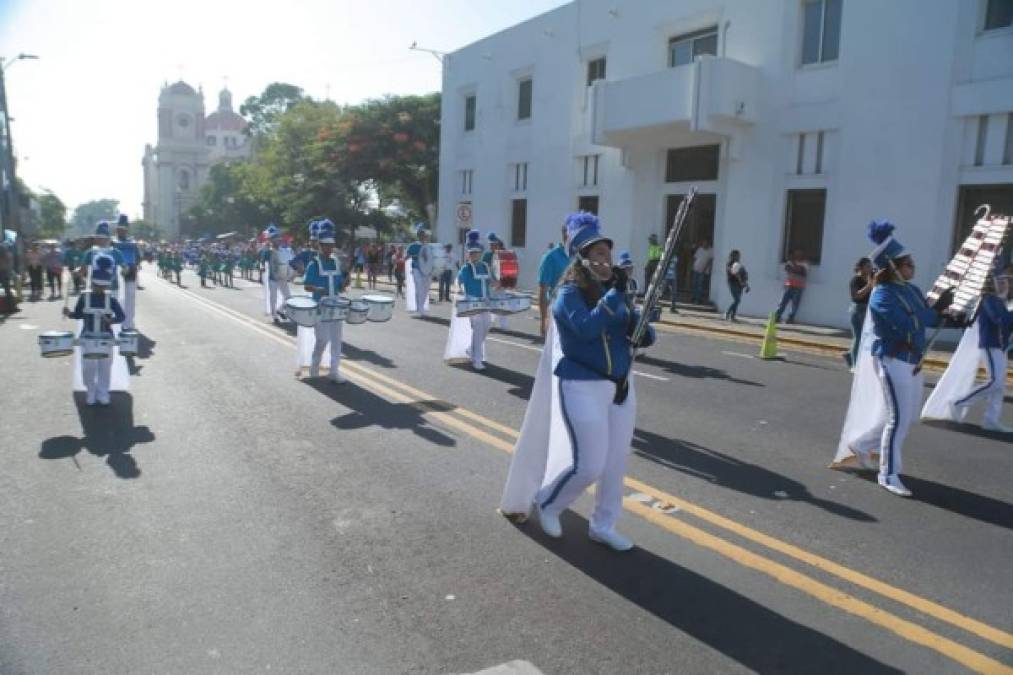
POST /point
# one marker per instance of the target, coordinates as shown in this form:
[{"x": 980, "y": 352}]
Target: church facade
[{"x": 189, "y": 143}]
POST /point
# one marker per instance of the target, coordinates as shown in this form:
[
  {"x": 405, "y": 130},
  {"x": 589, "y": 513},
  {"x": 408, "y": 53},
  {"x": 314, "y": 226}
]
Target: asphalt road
[{"x": 226, "y": 517}]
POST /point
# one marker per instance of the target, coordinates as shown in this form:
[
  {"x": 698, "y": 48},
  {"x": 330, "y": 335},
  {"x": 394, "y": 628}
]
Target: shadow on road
[
  {"x": 370, "y": 410},
  {"x": 354, "y": 353},
  {"x": 520, "y": 382},
  {"x": 755, "y": 636},
  {"x": 728, "y": 472},
  {"x": 145, "y": 349},
  {"x": 694, "y": 372},
  {"x": 108, "y": 432}
]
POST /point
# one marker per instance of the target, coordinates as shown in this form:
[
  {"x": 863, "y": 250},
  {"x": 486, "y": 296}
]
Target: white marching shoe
[
  {"x": 336, "y": 377},
  {"x": 893, "y": 485},
  {"x": 478, "y": 365},
  {"x": 550, "y": 523},
  {"x": 997, "y": 426},
  {"x": 612, "y": 539}
]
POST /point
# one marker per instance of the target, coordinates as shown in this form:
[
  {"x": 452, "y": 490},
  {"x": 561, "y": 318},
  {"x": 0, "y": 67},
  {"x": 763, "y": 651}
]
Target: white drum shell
[
  {"x": 128, "y": 342},
  {"x": 303, "y": 311},
  {"x": 358, "y": 311},
  {"x": 333, "y": 309},
  {"x": 381, "y": 307},
  {"x": 97, "y": 346},
  {"x": 473, "y": 306},
  {"x": 510, "y": 304},
  {"x": 56, "y": 343}
]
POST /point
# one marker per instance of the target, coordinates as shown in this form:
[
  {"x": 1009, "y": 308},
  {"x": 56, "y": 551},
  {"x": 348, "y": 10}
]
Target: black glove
[
  {"x": 622, "y": 391},
  {"x": 944, "y": 301},
  {"x": 619, "y": 279},
  {"x": 959, "y": 321}
]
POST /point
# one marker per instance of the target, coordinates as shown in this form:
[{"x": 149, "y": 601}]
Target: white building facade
[{"x": 798, "y": 121}]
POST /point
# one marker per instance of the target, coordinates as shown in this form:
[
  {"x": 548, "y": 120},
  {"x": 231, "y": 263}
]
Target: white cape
[
  {"x": 305, "y": 339},
  {"x": 867, "y": 411},
  {"x": 543, "y": 449},
  {"x": 409, "y": 288},
  {"x": 119, "y": 378},
  {"x": 957, "y": 382}
]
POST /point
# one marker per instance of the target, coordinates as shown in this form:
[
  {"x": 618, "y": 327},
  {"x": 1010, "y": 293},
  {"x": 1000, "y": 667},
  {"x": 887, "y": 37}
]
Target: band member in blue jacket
[
  {"x": 596, "y": 402},
  {"x": 98, "y": 310},
  {"x": 474, "y": 279},
  {"x": 900, "y": 316},
  {"x": 324, "y": 280},
  {"x": 131, "y": 265},
  {"x": 102, "y": 246},
  {"x": 420, "y": 280}
]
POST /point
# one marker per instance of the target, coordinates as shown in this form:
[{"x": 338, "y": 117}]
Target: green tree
[
  {"x": 226, "y": 203},
  {"x": 86, "y": 215},
  {"x": 52, "y": 216},
  {"x": 145, "y": 231},
  {"x": 263, "y": 112}
]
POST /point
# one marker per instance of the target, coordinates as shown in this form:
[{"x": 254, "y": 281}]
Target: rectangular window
[
  {"x": 588, "y": 203},
  {"x": 466, "y": 179},
  {"x": 469, "y": 112},
  {"x": 696, "y": 163},
  {"x": 212, "y": 140},
  {"x": 595, "y": 70},
  {"x": 1007, "y": 154},
  {"x": 524, "y": 99},
  {"x": 683, "y": 49},
  {"x": 588, "y": 166},
  {"x": 998, "y": 14},
  {"x": 981, "y": 140},
  {"x": 800, "y": 160},
  {"x": 518, "y": 223},
  {"x": 999, "y": 197},
  {"x": 520, "y": 176},
  {"x": 821, "y": 31},
  {"x": 819, "y": 152},
  {"x": 803, "y": 223}
]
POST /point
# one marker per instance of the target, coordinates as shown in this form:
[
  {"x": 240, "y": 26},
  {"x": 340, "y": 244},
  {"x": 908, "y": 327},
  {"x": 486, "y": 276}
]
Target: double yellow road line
[{"x": 670, "y": 519}]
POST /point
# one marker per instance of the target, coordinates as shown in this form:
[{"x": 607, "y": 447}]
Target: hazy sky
[{"x": 84, "y": 110}]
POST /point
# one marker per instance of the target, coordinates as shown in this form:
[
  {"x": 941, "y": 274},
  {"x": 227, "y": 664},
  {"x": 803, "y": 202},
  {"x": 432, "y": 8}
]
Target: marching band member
[
  {"x": 131, "y": 266},
  {"x": 417, "y": 291},
  {"x": 97, "y": 310},
  {"x": 887, "y": 388},
  {"x": 626, "y": 263},
  {"x": 276, "y": 258},
  {"x": 324, "y": 279},
  {"x": 986, "y": 341},
  {"x": 580, "y": 418},
  {"x": 473, "y": 279},
  {"x": 551, "y": 267},
  {"x": 101, "y": 246}
]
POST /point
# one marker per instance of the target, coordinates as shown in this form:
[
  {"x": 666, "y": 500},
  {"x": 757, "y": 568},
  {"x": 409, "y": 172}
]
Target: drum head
[
  {"x": 382, "y": 299},
  {"x": 301, "y": 302}
]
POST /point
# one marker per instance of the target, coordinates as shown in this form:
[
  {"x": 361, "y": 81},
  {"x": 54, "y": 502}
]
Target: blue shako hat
[
  {"x": 123, "y": 221},
  {"x": 102, "y": 269},
  {"x": 419, "y": 228},
  {"x": 314, "y": 229},
  {"x": 102, "y": 229},
  {"x": 880, "y": 233},
  {"x": 325, "y": 231},
  {"x": 582, "y": 230},
  {"x": 493, "y": 238},
  {"x": 272, "y": 231},
  {"x": 625, "y": 260},
  {"x": 473, "y": 241}
]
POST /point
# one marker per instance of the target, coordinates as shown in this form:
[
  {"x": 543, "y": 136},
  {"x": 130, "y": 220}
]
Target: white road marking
[
  {"x": 539, "y": 350},
  {"x": 743, "y": 356}
]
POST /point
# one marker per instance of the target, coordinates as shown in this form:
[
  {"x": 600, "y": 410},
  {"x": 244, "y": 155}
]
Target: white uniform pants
[
  {"x": 275, "y": 285},
  {"x": 994, "y": 388},
  {"x": 421, "y": 290},
  {"x": 480, "y": 324},
  {"x": 96, "y": 374},
  {"x": 129, "y": 298},
  {"x": 327, "y": 332},
  {"x": 600, "y": 433},
  {"x": 902, "y": 390}
]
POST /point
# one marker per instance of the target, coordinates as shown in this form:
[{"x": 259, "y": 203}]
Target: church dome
[
  {"x": 224, "y": 120},
  {"x": 181, "y": 87}
]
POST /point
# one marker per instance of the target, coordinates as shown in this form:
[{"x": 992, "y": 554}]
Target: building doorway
[{"x": 699, "y": 226}]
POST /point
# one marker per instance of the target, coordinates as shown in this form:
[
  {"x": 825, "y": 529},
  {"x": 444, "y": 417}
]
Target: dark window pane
[
  {"x": 697, "y": 163},
  {"x": 831, "y": 30},
  {"x": 519, "y": 223},
  {"x": 524, "y": 100},
  {"x": 595, "y": 70},
  {"x": 998, "y": 197},
  {"x": 469, "y": 113},
  {"x": 588, "y": 203},
  {"x": 706, "y": 45},
  {"x": 803, "y": 227},
  {"x": 681, "y": 53},
  {"x": 812, "y": 23},
  {"x": 998, "y": 14}
]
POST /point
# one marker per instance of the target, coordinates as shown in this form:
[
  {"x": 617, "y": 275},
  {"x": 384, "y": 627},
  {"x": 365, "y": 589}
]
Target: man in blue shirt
[
  {"x": 324, "y": 280},
  {"x": 554, "y": 262}
]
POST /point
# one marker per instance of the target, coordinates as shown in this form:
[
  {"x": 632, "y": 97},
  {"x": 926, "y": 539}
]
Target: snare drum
[
  {"x": 333, "y": 309},
  {"x": 472, "y": 306},
  {"x": 303, "y": 310},
  {"x": 55, "y": 343},
  {"x": 511, "y": 303},
  {"x": 381, "y": 307},
  {"x": 128, "y": 341},
  {"x": 505, "y": 268},
  {"x": 97, "y": 345},
  {"x": 358, "y": 311}
]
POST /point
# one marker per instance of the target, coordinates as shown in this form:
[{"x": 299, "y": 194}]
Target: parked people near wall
[
  {"x": 796, "y": 271},
  {"x": 54, "y": 272},
  {"x": 738, "y": 282},
  {"x": 654, "y": 252},
  {"x": 861, "y": 286},
  {"x": 703, "y": 261},
  {"x": 33, "y": 264}
]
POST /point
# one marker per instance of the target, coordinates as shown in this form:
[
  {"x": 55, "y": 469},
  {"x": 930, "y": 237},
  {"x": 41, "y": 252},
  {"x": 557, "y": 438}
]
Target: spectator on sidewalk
[
  {"x": 33, "y": 263},
  {"x": 72, "y": 257},
  {"x": 6, "y": 269},
  {"x": 671, "y": 282},
  {"x": 398, "y": 263},
  {"x": 373, "y": 256},
  {"x": 738, "y": 282},
  {"x": 703, "y": 260},
  {"x": 449, "y": 274},
  {"x": 861, "y": 285},
  {"x": 654, "y": 252},
  {"x": 53, "y": 261},
  {"x": 796, "y": 271}
]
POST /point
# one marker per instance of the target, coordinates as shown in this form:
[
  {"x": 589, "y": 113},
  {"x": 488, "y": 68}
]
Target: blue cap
[
  {"x": 102, "y": 229},
  {"x": 582, "y": 230},
  {"x": 420, "y": 227},
  {"x": 493, "y": 239},
  {"x": 473, "y": 241},
  {"x": 102, "y": 268},
  {"x": 326, "y": 231},
  {"x": 314, "y": 228},
  {"x": 122, "y": 221},
  {"x": 625, "y": 260},
  {"x": 880, "y": 232}
]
